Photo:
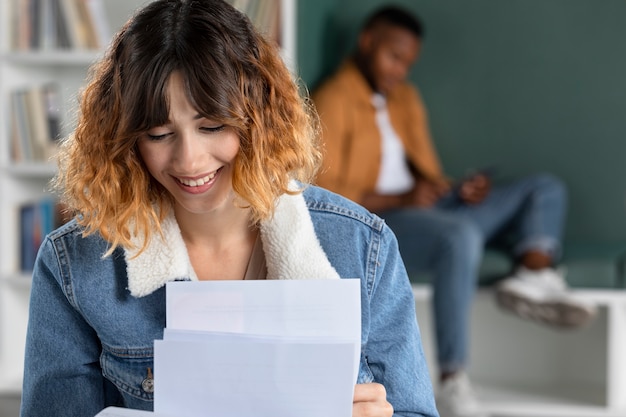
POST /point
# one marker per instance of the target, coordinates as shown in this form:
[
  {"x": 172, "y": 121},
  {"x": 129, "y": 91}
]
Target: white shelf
[
  {"x": 60, "y": 58},
  {"x": 10, "y": 386},
  {"x": 17, "y": 280},
  {"x": 31, "y": 170}
]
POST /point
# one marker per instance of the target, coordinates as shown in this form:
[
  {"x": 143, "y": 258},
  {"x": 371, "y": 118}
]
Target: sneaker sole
[{"x": 555, "y": 313}]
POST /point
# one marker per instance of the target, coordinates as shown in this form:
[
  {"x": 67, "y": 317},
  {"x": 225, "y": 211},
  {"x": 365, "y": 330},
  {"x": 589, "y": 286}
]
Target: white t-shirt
[{"x": 394, "y": 176}]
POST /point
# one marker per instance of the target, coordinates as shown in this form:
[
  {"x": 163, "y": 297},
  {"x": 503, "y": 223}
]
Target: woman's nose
[{"x": 188, "y": 151}]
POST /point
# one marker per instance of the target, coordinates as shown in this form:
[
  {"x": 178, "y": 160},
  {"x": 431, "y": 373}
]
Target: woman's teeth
[{"x": 198, "y": 182}]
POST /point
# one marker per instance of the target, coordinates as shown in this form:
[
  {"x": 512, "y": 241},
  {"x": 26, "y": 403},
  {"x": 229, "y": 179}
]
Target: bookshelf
[{"x": 25, "y": 181}]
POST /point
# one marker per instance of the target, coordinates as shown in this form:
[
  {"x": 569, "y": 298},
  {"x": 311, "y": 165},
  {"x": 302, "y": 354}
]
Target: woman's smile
[{"x": 198, "y": 185}]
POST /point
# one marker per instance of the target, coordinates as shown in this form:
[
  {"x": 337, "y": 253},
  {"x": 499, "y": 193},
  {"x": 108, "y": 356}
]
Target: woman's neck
[{"x": 219, "y": 246}]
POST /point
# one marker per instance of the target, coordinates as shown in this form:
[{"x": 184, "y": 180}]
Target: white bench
[{"x": 520, "y": 368}]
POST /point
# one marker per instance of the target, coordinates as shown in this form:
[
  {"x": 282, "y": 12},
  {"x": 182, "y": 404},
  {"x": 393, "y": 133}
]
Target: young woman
[{"x": 191, "y": 161}]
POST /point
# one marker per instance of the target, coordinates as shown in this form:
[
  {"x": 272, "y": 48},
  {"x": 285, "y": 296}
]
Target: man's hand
[
  {"x": 425, "y": 194},
  {"x": 370, "y": 400},
  {"x": 475, "y": 189}
]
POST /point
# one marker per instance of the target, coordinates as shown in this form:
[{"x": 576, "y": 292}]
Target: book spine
[
  {"x": 36, "y": 116},
  {"x": 22, "y": 128},
  {"x": 99, "y": 22},
  {"x": 73, "y": 24}
]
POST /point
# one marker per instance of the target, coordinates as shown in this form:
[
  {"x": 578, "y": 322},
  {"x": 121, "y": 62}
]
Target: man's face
[{"x": 390, "y": 51}]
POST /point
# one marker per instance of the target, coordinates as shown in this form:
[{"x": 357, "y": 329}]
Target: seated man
[{"x": 379, "y": 153}]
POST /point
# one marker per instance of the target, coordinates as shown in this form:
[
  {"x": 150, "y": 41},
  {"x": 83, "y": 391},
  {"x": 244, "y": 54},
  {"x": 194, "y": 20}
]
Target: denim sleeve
[
  {"x": 62, "y": 375},
  {"x": 394, "y": 351}
]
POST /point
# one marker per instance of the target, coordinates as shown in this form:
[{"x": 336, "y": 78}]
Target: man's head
[{"x": 389, "y": 43}]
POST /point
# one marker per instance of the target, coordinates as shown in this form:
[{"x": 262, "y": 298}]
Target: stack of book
[
  {"x": 264, "y": 14},
  {"x": 58, "y": 24},
  {"x": 35, "y": 123}
]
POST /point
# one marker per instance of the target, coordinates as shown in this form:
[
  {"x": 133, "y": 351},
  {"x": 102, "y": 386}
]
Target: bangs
[
  {"x": 214, "y": 97},
  {"x": 146, "y": 102}
]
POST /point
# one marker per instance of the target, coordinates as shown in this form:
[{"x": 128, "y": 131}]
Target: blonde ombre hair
[{"x": 232, "y": 74}]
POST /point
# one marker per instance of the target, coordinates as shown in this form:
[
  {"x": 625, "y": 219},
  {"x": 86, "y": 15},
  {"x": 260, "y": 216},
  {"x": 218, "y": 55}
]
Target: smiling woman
[{"x": 192, "y": 160}]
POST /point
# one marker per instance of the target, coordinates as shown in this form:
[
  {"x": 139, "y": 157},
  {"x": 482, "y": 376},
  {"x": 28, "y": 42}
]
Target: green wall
[{"x": 526, "y": 85}]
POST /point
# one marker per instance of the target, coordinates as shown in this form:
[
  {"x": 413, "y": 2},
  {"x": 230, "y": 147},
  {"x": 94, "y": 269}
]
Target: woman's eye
[
  {"x": 213, "y": 129},
  {"x": 157, "y": 137}
]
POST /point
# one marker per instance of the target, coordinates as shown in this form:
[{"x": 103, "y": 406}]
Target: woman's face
[{"x": 191, "y": 156}]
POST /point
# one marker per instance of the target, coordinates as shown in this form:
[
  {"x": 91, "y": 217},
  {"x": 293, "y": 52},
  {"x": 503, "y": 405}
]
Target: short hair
[
  {"x": 232, "y": 75},
  {"x": 396, "y": 16}
]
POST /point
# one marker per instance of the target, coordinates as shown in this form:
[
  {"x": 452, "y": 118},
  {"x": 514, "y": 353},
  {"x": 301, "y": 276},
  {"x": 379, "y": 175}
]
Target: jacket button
[{"x": 148, "y": 383}]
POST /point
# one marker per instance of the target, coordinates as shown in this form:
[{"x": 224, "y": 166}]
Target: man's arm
[
  {"x": 424, "y": 194},
  {"x": 337, "y": 141}
]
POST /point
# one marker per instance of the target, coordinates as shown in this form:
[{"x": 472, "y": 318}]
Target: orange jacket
[{"x": 352, "y": 139}]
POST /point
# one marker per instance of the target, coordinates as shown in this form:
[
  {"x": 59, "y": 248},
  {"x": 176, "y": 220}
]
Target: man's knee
[
  {"x": 463, "y": 238},
  {"x": 549, "y": 184}
]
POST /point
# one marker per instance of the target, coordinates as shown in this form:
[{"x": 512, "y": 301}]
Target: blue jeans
[{"x": 447, "y": 241}]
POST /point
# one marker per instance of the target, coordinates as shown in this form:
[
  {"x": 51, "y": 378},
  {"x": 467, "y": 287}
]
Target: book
[
  {"x": 52, "y": 104},
  {"x": 36, "y": 220},
  {"x": 35, "y": 123},
  {"x": 99, "y": 22},
  {"x": 87, "y": 24},
  {"x": 77, "y": 27},
  {"x": 47, "y": 25},
  {"x": 38, "y": 125},
  {"x": 20, "y": 127},
  {"x": 22, "y": 29},
  {"x": 62, "y": 33}
]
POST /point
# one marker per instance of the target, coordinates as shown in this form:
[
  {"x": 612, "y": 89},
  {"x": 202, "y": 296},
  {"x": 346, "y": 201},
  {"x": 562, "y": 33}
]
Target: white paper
[
  {"x": 259, "y": 348},
  {"x": 238, "y": 378},
  {"x": 320, "y": 308}
]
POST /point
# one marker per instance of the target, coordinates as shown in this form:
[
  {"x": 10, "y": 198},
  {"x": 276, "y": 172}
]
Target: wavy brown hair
[{"x": 232, "y": 75}]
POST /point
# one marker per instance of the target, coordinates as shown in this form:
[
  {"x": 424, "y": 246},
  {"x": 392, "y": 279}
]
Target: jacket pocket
[{"x": 131, "y": 371}]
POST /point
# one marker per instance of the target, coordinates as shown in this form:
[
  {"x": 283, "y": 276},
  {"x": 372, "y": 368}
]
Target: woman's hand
[{"x": 370, "y": 400}]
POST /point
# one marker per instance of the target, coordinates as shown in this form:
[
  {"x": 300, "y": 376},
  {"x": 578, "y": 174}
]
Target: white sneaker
[
  {"x": 543, "y": 296},
  {"x": 456, "y": 398}
]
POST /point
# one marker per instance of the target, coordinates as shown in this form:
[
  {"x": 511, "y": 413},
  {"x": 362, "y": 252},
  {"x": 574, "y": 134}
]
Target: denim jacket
[{"x": 93, "y": 319}]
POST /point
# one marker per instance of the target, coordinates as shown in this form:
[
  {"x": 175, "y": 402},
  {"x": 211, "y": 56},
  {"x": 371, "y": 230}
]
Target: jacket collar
[{"x": 292, "y": 251}]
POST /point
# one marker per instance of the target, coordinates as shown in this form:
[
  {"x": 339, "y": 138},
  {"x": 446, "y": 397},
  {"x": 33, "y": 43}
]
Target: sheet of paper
[
  {"x": 238, "y": 378},
  {"x": 270, "y": 348},
  {"x": 320, "y": 308}
]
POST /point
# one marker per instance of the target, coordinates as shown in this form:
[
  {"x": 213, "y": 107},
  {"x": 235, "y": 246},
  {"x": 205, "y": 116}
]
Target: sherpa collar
[{"x": 292, "y": 251}]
